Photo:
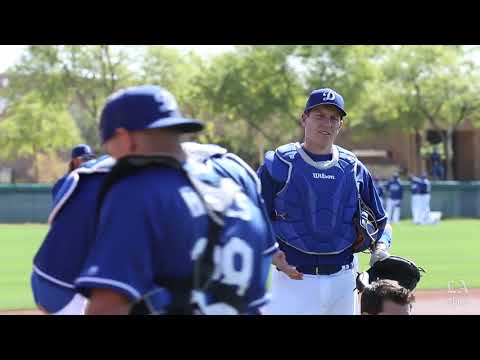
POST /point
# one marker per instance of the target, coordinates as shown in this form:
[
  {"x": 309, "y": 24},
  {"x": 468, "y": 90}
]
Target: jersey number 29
[{"x": 229, "y": 271}]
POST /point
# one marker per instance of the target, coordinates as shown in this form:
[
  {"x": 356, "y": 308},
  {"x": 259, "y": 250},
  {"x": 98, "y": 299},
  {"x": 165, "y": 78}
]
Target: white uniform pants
[
  {"x": 424, "y": 216},
  {"x": 76, "y": 306},
  {"x": 417, "y": 208},
  {"x": 393, "y": 210},
  {"x": 314, "y": 295}
]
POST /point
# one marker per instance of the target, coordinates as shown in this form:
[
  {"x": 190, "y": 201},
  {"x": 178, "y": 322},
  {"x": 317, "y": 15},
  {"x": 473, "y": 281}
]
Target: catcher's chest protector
[
  {"x": 101, "y": 165},
  {"x": 315, "y": 208}
]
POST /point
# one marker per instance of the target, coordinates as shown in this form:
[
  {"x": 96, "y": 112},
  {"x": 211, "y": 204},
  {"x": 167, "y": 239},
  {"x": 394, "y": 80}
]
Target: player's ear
[
  {"x": 303, "y": 117},
  {"x": 126, "y": 140}
]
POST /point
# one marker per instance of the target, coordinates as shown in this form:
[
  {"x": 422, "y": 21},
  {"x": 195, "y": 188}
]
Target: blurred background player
[
  {"x": 310, "y": 191},
  {"x": 386, "y": 297},
  {"x": 425, "y": 197},
  {"x": 144, "y": 253},
  {"x": 438, "y": 170},
  {"x": 379, "y": 187},
  {"x": 60, "y": 257},
  {"x": 394, "y": 200},
  {"x": 79, "y": 155},
  {"x": 416, "y": 199}
]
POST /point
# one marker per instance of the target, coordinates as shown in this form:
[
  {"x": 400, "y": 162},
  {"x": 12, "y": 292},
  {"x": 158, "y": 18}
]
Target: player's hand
[
  {"x": 380, "y": 253},
  {"x": 280, "y": 261}
]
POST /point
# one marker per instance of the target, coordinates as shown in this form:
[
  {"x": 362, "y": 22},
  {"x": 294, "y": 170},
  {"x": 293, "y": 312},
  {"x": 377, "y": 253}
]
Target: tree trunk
[
  {"x": 448, "y": 143},
  {"x": 418, "y": 155},
  {"x": 261, "y": 147},
  {"x": 36, "y": 172}
]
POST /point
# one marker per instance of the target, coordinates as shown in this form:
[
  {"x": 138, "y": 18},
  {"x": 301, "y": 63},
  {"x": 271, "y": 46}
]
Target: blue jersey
[
  {"x": 395, "y": 190},
  {"x": 317, "y": 200},
  {"x": 415, "y": 185},
  {"x": 58, "y": 185},
  {"x": 379, "y": 189},
  {"x": 153, "y": 225},
  {"x": 60, "y": 257},
  {"x": 435, "y": 157},
  {"x": 424, "y": 186}
]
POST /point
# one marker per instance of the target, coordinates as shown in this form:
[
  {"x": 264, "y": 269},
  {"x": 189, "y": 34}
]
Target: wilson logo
[{"x": 323, "y": 176}]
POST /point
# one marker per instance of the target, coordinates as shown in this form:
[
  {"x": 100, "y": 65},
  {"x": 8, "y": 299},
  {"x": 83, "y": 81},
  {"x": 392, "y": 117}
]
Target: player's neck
[
  {"x": 318, "y": 149},
  {"x": 168, "y": 145}
]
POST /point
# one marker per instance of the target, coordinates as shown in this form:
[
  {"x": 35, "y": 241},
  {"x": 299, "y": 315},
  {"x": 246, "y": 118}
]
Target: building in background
[{"x": 387, "y": 151}]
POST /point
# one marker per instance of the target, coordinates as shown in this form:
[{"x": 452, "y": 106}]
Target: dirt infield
[
  {"x": 20, "y": 312},
  {"x": 447, "y": 302},
  {"x": 428, "y": 302}
]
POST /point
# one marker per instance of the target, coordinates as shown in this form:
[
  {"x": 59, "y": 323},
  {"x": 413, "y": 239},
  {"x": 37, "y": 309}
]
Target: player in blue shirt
[
  {"x": 394, "y": 200},
  {"x": 416, "y": 199},
  {"x": 424, "y": 196},
  {"x": 312, "y": 192},
  {"x": 381, "y": 193},
  {"x": 60, "y": 257},
  {"x": 437, "y": 166},
  {"x": 80, "y": 154},
  {"x": 174, "y": 236}
]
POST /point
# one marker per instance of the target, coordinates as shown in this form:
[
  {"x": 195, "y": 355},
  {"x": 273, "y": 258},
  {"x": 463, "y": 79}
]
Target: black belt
[{"x": 326, "y": 269}]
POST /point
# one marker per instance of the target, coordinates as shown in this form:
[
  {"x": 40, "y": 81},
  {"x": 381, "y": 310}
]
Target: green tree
[
  {"x": 349, "y": 69},
  {"x": 253, "y": 95},
  {"x": 30, "y": 127},
  {"x": 436, "y": 86},
  {"x": 73, "y": 76}
]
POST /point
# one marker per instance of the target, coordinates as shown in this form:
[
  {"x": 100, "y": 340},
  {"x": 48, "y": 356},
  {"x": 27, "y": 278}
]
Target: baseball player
[
  {"x": 313, "y": 193},
  {"x": 416, "y": 202},
  {"x": 59, "y": 259},
  {"x": 79, "y": 155},
  {"x": 386, "y": 297},
  {"x": 437, "y": 166},
  {"x": 173, "y": 235},
  {"x": 395, "y": 195},
  {"x": 425, "y": 189},
  {"x": 380, "y": 191}
]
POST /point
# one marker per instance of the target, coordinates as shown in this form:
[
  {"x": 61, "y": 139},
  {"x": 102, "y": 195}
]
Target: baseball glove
[{"x": 393, "y": 268}]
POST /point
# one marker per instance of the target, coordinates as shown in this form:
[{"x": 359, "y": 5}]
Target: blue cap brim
[
  {"x": 327, "y": 103},
  {"x": 183, "y": 124}
]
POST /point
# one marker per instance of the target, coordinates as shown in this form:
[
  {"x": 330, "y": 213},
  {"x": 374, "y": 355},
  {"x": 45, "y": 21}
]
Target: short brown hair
[{"x": 377, "y": 292}]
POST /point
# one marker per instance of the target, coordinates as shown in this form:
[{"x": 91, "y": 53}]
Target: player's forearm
[
  {"x": 107, "y": 309},
  {"x": 107, "y": 302},
  {"x": 386, "y": 237}
]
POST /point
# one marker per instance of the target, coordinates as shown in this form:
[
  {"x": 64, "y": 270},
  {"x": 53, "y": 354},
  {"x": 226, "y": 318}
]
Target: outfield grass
[
  {"x": 449, "y": 251},
  {"x": 18, "y": 244}
]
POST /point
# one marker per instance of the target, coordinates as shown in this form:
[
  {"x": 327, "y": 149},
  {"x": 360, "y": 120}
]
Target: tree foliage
[{"x": 31, "y": 127}]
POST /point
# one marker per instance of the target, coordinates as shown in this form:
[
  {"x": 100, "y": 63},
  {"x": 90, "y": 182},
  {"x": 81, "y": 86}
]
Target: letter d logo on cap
[{"x": 328, "y": 96}]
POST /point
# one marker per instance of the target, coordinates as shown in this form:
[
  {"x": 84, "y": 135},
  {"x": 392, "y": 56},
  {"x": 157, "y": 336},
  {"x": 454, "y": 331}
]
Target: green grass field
[
  {"x": 449, "y": 252},
  {"x": 18, "y": 244}
]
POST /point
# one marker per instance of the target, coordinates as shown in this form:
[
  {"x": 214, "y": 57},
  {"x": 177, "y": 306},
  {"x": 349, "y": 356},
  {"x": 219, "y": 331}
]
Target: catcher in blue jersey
[
  {"x": 60, "y": 257},
  {"x": 174, "y": 236},
  {"x": 324, "y": 208},
  {"x": 80, "y": 154}
]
